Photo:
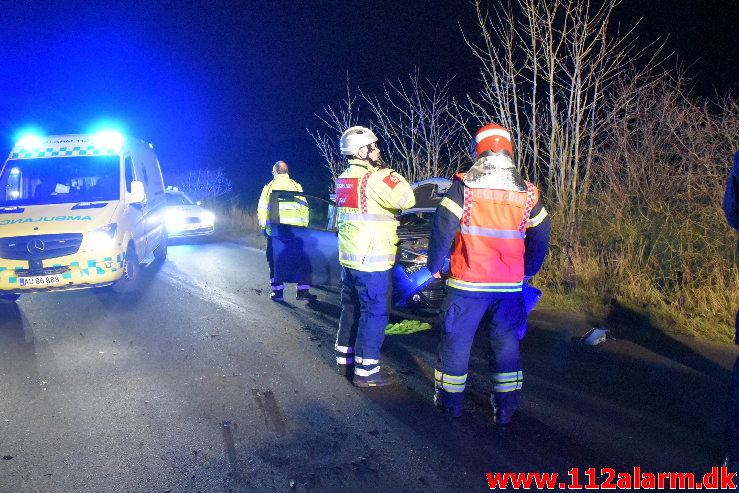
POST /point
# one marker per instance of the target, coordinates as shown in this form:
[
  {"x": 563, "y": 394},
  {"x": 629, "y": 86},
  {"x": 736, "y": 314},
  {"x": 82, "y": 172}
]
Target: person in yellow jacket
[
  {"x": 368, "y": 197},
  {"x": 294, "y": 212}
]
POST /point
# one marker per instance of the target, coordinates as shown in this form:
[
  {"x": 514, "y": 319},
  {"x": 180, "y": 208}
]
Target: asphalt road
[{"x": 201, "y": 383}]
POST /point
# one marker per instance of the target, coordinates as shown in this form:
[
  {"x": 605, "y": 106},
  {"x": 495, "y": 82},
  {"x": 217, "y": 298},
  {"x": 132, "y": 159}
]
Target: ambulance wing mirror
[{"x": 137, "y": 194}]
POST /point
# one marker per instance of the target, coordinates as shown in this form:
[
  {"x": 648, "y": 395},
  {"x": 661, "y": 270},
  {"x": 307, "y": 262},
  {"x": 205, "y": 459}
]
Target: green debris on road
[{"x": 406, "y": 327}]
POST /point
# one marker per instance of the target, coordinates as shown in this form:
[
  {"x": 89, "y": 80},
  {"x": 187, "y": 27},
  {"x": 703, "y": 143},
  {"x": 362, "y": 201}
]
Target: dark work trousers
[
  {"x": 275, "y": 283},
  {"x": 461, "y": 314},
  {"x": 732, "y": 428},
  {"x": 278, "y": 284},
  {"x": 365, "y": 305}
]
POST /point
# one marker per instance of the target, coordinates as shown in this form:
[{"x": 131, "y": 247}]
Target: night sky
[{"x": 236, "y": 84}]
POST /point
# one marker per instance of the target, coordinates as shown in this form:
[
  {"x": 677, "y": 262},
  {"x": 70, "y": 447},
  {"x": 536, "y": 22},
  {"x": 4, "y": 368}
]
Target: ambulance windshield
[{"x": 60, "y": 180}]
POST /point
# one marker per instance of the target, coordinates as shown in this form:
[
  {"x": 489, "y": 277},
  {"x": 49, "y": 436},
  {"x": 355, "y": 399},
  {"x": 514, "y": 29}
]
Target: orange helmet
[{"x": 493, "y": 138}]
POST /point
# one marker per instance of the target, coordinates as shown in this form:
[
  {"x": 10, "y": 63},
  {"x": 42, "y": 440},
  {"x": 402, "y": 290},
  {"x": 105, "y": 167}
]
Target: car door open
[{"x": 304, "y": 242}]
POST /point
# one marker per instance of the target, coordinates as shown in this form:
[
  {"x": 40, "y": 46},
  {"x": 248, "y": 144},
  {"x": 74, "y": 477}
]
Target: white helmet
[{"x": 355, "y": 138}]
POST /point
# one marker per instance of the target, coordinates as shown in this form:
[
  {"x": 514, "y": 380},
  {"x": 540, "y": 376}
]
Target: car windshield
[
  {"x": 60, "y": 180},
  {"x": 178, "y": 199}
]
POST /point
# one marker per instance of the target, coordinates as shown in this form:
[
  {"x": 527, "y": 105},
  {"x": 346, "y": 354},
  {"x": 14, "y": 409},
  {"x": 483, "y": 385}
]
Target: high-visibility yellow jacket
[
  {"x": 368, "y": 199},
  {"x": 291, "y": 211}
]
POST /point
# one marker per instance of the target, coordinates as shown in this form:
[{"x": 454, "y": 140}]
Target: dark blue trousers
[
  {"x": 461, "y": 314},
  {"x": 365, "y": 305},
  {"x": 732, "y": 425},
  {"x": 278, "y": 284},
  {"x": 733, "y": 417},
  {"x": 275, "y": 283}
]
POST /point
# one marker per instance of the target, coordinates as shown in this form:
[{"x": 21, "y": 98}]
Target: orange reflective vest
[{"x": 488, "y": 249}]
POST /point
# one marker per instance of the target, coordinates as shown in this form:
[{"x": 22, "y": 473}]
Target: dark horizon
[{"x": 238, "y": 84}]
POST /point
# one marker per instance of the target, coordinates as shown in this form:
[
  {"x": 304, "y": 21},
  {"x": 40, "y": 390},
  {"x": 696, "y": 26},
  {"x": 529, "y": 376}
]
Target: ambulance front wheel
[
  {"x": 9, "y": 297},
  {"x": 129, "y": 282}
]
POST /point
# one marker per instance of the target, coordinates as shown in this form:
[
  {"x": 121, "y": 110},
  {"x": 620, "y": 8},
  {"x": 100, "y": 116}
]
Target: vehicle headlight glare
[
  {"x": 173, "y": 215},
  {"x": 207, "y": 218},
  {"x": 173, "y": 219},
  {"x": 101, "y": 238}
]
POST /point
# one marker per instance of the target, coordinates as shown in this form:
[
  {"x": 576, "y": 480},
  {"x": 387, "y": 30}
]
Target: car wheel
[
  {"x": 9, "y": 297},
  {"x": 129, "y": 283},
  {"x": 160, "y": 252}
]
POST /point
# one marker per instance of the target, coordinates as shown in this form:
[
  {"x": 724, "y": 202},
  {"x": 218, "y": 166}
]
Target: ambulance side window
[{"x": 129, "y": 173}]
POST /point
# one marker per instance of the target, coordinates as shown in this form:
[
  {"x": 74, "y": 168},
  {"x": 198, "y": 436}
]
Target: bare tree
[
  {"x": 548, "y": 68},
  {"x": 418, "y": 121},
  {"x": 335, "y": 121},
  {"x": 202, "y": 184}
]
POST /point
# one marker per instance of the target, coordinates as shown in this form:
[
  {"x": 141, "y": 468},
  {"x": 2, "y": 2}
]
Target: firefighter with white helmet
[
  {"x": 293, "y": 212},
  {"x": 499, "y": 234},
  {"x": 368, "y": 197}
]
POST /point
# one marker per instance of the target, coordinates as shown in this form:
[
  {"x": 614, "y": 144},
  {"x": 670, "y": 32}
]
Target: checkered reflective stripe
[
  {"x": 530, "y": 198},
  {"x": 89, "y": 150},
  {"x": 76, "y": 271},
  {"x": 467, "y": 209},
  {"x": 363, "y": 193}
]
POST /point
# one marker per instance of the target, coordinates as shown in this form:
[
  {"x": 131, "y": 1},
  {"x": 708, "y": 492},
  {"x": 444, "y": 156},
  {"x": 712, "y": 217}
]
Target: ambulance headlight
[
  {"x": 207, "y": 218},
  {"x": 101, "y": 238}
]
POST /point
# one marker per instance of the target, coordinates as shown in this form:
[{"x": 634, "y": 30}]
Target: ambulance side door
[
  {"x": 137, "y": 212},
  {"x": 307, "y": 252},
  {"x": 151, "y": 176}
]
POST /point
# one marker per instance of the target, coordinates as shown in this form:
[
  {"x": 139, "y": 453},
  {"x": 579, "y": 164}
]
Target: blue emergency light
[
  {"x": 30, "y": 141},
  {"x": 108, "y": 138}
]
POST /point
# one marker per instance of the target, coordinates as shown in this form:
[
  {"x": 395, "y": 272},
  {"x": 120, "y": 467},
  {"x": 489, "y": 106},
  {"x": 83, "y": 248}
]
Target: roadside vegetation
[
  {"x": 214, "y": 189},
  {"x": 630, "y": 163}
]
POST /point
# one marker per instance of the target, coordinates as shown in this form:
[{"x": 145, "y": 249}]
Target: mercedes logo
[{"x": 35, "y": 247}]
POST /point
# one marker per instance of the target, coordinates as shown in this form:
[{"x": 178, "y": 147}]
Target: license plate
[
  {"x": 192, "y": 226},
  {"x": 40, "y": 280}
]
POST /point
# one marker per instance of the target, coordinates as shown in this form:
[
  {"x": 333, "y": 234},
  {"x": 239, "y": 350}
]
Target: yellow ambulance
[{"x": 79, "y": 211}]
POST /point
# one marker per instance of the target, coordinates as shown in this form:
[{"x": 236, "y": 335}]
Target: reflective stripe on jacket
[
  {"x": 368, "y": 199},
  {"x": 291, "y": 211}
]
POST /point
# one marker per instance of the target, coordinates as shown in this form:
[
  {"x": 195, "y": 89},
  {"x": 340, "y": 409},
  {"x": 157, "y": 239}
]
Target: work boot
[
  {"x": 449, "y": 402},
  {"x": 305, "y": 295},
  {"x": 277, "y": 295},
  {"x": 504, "y": 406},
  {"x": 379, "y": 379},
  {"x": 502, "y": 417}
]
